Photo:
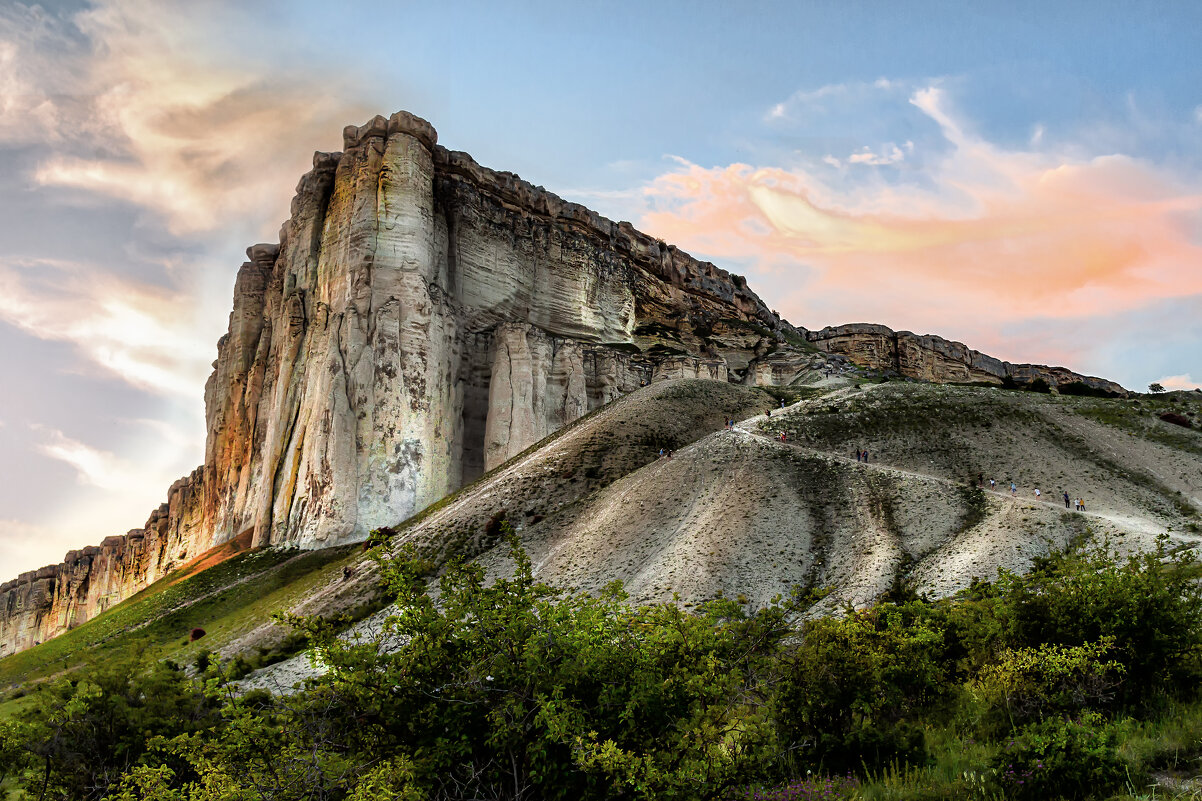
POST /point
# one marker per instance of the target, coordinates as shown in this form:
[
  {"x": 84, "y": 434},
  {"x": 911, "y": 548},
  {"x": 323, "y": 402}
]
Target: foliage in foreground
[{"x": 1062, "y": 684}]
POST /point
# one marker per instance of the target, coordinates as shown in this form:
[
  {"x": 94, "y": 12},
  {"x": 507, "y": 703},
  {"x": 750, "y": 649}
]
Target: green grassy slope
[{"x": 226, "y": 600}]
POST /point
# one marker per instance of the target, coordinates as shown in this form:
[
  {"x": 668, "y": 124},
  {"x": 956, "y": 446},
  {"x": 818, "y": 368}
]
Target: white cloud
[
  {"x": 831, "y": 160},
  {"x": 891, "y": 154},
  {"x": 116, "y": 490},
  {"x": 97, "y": 467},
  {"x": 27, "y": 546},
  {"x": 810, "y": 98},
  {"x": 137, "y": 103},
  {"x": 38, "y": 75}
]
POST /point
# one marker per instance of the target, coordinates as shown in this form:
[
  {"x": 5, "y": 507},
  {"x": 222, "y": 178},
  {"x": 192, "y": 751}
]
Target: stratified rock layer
[
  {"x": 933, "y": 358},
  {"x": 422, "y": 320}
]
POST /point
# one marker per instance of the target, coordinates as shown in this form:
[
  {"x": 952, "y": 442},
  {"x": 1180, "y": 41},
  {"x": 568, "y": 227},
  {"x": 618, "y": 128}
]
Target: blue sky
[{"x": 1026, "y": 179}]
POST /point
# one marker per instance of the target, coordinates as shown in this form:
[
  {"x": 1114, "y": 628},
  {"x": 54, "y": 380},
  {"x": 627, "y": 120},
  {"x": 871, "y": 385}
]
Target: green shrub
[
  {"x": 1059, "y": 758},
  {"x": 851, "y": 683},
  {"x": 1149, "y": 606},
  {"x": 1032, "y": 684},
  {"x": 86, "y": 731}
]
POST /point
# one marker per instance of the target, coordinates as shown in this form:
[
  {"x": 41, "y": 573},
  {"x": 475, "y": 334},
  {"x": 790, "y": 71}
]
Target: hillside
[
  {"x": 743, "y": 512},
  {"x": 738, "y": 512},
  {"x": 422, "y": 320}
]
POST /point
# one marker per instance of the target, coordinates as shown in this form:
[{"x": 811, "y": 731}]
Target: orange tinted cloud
[
  {"x": 989, "y": 236},
  {"x": 1185, "y": 381},
  {"x": 159, "y": 117}
]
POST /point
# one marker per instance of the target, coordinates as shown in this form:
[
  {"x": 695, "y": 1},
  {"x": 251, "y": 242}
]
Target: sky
[{"x": 1024, "y": 177}]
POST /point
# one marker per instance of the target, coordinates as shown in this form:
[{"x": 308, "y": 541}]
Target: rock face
[
  {"x": 933, "y": 358},
  {"x": 422, "y": 320}
]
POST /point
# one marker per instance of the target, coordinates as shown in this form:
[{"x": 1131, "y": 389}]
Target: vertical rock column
[{"x": 410, "y": 435}]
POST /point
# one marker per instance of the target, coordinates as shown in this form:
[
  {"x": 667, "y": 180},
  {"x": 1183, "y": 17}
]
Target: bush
[
  {"x": 1032, "y": 684},
  {"x": 1149, "y": 606},
  {"x": 1071, "y": 759},
  {"x": 1176, "y": 419},
  {"x": 86, "y": 731},
  {"x": 853, "y": 680},
  {"x": 810, "y": 788}
]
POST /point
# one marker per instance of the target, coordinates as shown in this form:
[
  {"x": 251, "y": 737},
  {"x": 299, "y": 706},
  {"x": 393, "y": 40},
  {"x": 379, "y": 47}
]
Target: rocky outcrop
[
  {"x": 932, "y": 358},
  {"x": 422, "y": 319}
]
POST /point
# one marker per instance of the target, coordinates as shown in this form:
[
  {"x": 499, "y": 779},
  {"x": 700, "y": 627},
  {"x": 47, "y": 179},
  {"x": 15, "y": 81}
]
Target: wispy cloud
[
  {"x": 140, "y": 107},
  {"x": 890, "y": 154},
  {"x": 1185, "y": 381},
  {"x": 115, "y": 491},
  {"x": 139, "y": 102},
  {"x": 94, "y": 467},
  {"x": 142, "y": 334},
  {"x": 805, "y": 100},
  {"x": 981, "y": 236},
  {"x": 106, "y": 470}
]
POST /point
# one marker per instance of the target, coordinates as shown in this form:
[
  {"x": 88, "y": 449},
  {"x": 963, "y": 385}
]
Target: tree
[
  {"x": 1155, "y": 387},
  {"x": 85, "y": 731}
]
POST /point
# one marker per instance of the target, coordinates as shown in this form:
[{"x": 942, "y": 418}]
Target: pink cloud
[
  {"x": 1185, "y": 381},
  {"x": 990, "y": 237}
]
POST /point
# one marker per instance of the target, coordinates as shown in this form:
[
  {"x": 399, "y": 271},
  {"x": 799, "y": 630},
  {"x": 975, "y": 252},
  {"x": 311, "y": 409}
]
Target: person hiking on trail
[
  {"x": 980, "y": 479},
  {"x": 1080, "y": 504},
  {"x": 1037, "y": 493},
  {"x": 992, "y": 484},
  {"x": 1066, "y": 500},
  {"x": 782, "y": 436},
  {"x": 1013, "y": 489},
  {"x": 661, "y": 455},
  {"x": 865, "y": 457},
  {"x": 857, "y": 454},
  {"x": 769, "y": 412},
  {"x": 782, "y": 403}
]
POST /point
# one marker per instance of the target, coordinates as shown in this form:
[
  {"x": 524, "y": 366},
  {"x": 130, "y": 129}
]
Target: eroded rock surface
[
  {"x": 933, "y": 358},
  {"x": 422, "y": 320}
]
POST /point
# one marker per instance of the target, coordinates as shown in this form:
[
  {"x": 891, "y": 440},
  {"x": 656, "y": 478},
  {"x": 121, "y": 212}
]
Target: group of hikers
[{"x": 1077, "y": 504}]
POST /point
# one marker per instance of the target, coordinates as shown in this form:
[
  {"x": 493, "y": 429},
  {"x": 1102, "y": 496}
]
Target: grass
[
  {"x": 226, "y": 600},
  {"x": 1143, "y": 420},
  {"x": 1168, "y": 746}
]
